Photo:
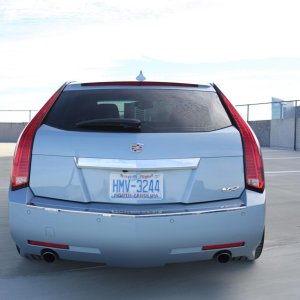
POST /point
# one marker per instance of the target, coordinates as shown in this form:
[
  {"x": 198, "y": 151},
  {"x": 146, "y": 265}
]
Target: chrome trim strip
[
  {"x": 198, "y": 212},
  {"x": 137, "y": 164}
]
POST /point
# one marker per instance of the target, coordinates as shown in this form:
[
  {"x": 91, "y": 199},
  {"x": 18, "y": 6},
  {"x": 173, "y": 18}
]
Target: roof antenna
[{"x": 140, "y": 77}]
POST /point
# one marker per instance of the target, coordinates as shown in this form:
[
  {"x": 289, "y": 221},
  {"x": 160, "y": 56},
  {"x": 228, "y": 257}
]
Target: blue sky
[{"x": 250, "y": 49}]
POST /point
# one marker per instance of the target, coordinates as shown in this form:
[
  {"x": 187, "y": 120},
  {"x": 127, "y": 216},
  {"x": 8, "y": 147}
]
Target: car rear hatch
[{"x": 184, "y": 150}]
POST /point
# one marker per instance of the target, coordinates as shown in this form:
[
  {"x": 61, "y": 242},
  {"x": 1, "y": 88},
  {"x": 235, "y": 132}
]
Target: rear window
[{"x": 159, "y": 110}]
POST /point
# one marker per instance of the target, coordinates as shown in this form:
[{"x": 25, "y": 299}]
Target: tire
[
  {"x": 18, "y": 249},
  {"x": 260, "y": 247}
]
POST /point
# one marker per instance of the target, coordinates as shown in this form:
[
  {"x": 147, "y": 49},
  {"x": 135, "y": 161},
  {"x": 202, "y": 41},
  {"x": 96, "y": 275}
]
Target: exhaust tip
[
  {"x": 49, "y": 256},
  {"x": 223, "y": 257}
]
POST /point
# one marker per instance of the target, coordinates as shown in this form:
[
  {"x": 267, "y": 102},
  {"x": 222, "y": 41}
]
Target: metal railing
[
  {"x": 277, "y": 121},
  {"x": 276, "y": 124},
  {"x": 250, "y": 112},
  {"x": 17, "y": 115},
  {"x": 267, "y": 110}
]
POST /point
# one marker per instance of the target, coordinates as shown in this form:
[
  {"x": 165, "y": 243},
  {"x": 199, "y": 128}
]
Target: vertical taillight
[
  {"x": 22, "y": 157},
  {"x": 254, "y": 170}
]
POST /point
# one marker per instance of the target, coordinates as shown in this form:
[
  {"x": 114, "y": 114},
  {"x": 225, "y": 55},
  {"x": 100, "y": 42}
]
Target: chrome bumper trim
[{"x": 151, "y": 215}]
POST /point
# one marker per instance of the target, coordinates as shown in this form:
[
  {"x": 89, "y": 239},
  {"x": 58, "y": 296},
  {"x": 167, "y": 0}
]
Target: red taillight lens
[
  {"x": 50, "y": 245},
  {"x": 22, "y": 157},
  {"x": 254, "y": 170},
  {"x": 223, "y": 246}
]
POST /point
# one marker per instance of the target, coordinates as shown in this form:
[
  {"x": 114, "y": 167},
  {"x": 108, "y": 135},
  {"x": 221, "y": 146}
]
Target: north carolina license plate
[{"x": 141, "y": 185}]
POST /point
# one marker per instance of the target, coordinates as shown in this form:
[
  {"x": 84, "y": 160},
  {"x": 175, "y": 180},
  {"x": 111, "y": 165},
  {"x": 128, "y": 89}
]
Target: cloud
[
  {"x": 112, "y": 9},
  {"x": 44, "y": 43},
  {"x": 189, "y": 31}
]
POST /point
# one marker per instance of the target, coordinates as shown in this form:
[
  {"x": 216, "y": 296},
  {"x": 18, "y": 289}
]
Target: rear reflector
[
  {"x": 22, "y": 157},
  {"x": 139, "y": 83},
  {"x": 254, "y": 170},
  {"x": 49, "y": 245},
  {"x": 223, "y": 246}
]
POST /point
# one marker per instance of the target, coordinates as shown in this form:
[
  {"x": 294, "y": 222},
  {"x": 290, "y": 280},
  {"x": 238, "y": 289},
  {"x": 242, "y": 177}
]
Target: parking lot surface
[{"x": 276, "y": 275}]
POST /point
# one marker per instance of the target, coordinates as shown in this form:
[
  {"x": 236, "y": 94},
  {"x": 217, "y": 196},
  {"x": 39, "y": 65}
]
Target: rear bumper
[{"x": 138, "y": 241}]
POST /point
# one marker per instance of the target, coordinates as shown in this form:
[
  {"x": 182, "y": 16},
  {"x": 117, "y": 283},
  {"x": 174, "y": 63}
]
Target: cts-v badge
[
  {"x": 230, "y": 189},
  {"x": 137, "y": 148}
]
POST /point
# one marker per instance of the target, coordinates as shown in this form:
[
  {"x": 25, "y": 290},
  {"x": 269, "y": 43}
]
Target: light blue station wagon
[{"x": 138, "y": 174}]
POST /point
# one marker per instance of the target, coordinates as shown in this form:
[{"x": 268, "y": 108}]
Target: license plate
[{"x": 136, "y": 185}]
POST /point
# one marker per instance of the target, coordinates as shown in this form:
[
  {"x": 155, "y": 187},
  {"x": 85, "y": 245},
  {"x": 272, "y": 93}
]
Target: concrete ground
[{"x": 276, "y": 275}]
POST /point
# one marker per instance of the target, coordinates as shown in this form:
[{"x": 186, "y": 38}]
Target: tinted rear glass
[{"x": 159, "y": 110}]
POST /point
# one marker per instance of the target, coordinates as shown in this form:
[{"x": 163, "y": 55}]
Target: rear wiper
[{"x": 111, "y": 124}]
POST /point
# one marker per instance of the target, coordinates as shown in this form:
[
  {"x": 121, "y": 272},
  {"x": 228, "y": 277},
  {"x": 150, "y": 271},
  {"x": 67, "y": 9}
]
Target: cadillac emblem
[{"x": 137, "y": 148}]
